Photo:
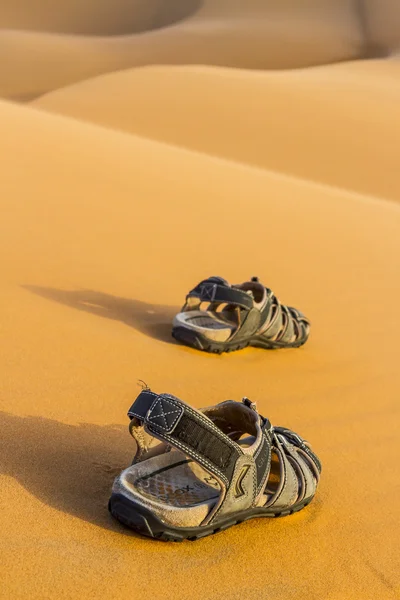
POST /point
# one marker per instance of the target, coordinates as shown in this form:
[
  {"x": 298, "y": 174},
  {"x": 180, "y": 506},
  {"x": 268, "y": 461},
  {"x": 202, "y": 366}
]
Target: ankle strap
[
  {"x": 171, "y": 420},
  {"x": 219, "y": 291}
]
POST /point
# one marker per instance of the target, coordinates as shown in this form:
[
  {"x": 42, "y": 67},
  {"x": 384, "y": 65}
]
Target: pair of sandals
[{"x": 197, "y": 472}]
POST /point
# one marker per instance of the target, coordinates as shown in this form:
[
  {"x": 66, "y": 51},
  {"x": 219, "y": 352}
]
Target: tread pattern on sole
[
  {"x": 199, "y": 342},
  {"x": 146, "y": 523}
]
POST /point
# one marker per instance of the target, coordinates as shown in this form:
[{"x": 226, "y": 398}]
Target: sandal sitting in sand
[
  {"x": 199, "y": 472},
  {"x": 218, "y": 317}
]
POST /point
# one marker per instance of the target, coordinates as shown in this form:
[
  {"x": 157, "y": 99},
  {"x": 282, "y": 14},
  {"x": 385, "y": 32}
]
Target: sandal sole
[
  {"x": 188, "y": 337},
  {"x": 144, "y": 522}
]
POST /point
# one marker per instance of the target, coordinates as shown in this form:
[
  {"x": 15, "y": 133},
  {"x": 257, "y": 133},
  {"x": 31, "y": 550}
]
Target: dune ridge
[
  {"x": 100, "y": 18},
  {"x": 221, "y": 33},
  {"x": 214, "y": 140},
  {"x": 309, "y": 131}
]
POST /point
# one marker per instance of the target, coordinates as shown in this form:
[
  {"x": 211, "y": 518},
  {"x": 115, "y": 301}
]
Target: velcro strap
[
  {"x": 172, "y": 420},
  {"x": 209, "y": 291},
  {"x": 158, "y": 412}
]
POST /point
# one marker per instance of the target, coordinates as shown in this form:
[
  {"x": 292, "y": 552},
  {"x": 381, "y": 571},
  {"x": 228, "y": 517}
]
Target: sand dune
[
  {"x": 224, "y": 32},
  {"x": 381, "y": 23},
  {"x": 120, "y": 188},
  {"x": 328, "y": 124},
  {"x": 99, "y": 17},
  {"x": 87, "y": 295}
]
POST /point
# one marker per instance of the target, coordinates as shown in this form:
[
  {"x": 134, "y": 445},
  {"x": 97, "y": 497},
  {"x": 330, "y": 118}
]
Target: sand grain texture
[{"x": 128, "y": 180}]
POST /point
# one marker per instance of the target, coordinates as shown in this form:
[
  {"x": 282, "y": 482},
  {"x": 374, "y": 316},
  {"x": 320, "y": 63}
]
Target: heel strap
[
  {"x": 219, "y": 291},
  {"x": 171, "y": 420}
]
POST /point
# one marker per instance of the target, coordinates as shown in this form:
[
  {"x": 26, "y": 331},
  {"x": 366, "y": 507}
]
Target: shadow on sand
[
  {"x": 68, "y": 467},
  {"x": 153, "y": 320}
]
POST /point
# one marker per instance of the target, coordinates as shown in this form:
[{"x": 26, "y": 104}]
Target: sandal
[
  {"x": 218, "y": 317},
  {"x": 199, "y": 472}
]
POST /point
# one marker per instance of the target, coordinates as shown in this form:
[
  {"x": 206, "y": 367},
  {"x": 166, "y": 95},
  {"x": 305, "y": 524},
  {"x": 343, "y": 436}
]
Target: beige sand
[
  {"x": 285, "y": 121},
  {"x": 283, "y": 34},
  {"x": 103, "y": 231}
]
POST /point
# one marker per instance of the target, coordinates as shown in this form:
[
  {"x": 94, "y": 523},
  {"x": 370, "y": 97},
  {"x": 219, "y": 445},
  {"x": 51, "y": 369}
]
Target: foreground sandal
[
  {"x": 218, "y": 317},
  {"x": 196, "y": 473}
]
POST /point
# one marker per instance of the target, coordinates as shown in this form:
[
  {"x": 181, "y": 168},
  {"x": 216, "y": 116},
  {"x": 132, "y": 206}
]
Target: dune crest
[
  {"x": 220, "y": 32},
  {"x": 100, "y": 17},
  {"x": 316, "y": 124}
]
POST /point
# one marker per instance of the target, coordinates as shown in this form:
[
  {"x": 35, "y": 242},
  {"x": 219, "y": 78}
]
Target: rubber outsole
[
  {"x": 144, "y": 522},
  {"x": 194, "y": 339}
]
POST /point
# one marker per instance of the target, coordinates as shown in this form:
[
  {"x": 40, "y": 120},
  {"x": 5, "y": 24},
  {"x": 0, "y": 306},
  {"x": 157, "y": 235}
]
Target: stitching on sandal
[
  {"x": 159, "y": 402},
  {"x": 200, "y": 459}
]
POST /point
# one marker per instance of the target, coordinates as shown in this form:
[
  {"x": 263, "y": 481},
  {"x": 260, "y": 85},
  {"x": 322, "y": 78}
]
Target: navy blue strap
[
  {"x": 217, "y": 290},
  {"x": 187, "y": 429}
]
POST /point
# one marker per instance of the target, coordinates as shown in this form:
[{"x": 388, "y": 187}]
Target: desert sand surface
[
  {"x": 150, "y": 148},
  {"x": 285, "y": 121},
  {"x": 44, "y": 47}
]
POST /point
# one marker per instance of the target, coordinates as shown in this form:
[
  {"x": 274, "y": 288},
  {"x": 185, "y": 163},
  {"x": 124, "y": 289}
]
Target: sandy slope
[
  {"x": 284, "y": 175},
  {"x": 101, "y": 242},
  {"x": 46, "y": 45},
  {"x": 220, "y": 32},
  {"x": 97, "y": 17},
  {"x": 336, "y": 124}
]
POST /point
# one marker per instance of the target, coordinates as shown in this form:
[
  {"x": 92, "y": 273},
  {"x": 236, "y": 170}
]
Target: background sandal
[
  {"x": 218, "y": 317},
  {"x": 199, "y": 472}
]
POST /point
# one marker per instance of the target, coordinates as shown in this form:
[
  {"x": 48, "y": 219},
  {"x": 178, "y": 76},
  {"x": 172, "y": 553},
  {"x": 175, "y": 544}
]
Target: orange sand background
[{"x": 143, "y": 149}]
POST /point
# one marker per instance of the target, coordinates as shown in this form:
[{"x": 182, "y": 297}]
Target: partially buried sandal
[
  {"x": 219, "y": 317},
  {"x": 199, "y": 472}
]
